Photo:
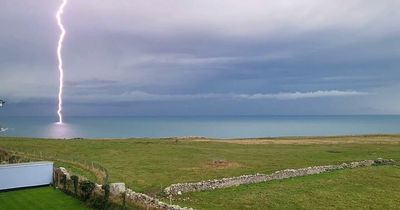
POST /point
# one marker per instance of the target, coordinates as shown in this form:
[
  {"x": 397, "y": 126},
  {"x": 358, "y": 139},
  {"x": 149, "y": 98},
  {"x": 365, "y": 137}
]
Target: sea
[{"x": 207, "y": 126}]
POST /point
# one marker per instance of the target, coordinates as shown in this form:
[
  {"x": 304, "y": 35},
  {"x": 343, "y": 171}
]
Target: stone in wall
[
  {"x": 116, "y": 189},
  {"x": 150, "y": 202},
  {"x": 64, "y": 171}
]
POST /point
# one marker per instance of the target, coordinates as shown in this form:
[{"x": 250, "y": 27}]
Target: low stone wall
[
  {"x": 140, "y": 199},
  {"x": 150, "y": 202},
  {"x": 62, "y": 180},
  {"x": 178, "y": 189}
]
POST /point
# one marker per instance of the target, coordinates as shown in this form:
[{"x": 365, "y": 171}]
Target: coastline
[{"x": 284, "y": 139}]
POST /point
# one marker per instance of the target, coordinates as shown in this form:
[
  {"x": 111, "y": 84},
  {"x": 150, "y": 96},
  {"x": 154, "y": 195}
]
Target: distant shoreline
[
  {"x": 364, "y": 138},
  {"x": 225, "y": 128}
]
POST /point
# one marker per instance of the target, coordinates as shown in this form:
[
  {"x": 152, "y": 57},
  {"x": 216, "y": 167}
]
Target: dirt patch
[
  {"x": 190, "y": 169},
  {"x": 334, "y": 151},
  {"x": 223, "y": 164}
]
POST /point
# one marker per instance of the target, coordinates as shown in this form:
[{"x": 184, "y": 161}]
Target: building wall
[{"x": 25, "y": 175}]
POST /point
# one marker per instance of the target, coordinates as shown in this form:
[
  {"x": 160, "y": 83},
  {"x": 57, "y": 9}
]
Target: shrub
[
  {"x": 75, "y": 180},
  {"x": 87, "y": 188},
  {"x": 54, "y": 180},
  {"x": 124, "y": 200},
  {"x": 64, "y": 181},
  {"x": 95, "y": 202},
  {"x": 13, "y": 159},
  {"x": 106, "y": 188}
]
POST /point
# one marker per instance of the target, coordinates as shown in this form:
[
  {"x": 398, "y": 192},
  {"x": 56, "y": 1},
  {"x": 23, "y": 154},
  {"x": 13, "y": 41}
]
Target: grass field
[
  {"x": 149, "y": 165},
  {"x": 362, "y": 188},
  {"x": 42, "y": 198}
]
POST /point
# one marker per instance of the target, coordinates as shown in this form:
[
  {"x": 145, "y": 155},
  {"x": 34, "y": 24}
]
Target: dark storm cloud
[{"x": 338, "y": 55}]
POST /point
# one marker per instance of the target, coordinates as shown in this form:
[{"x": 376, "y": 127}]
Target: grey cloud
[
  {"x": 90, "y": 83},
  {"x": 303, "y": 95},
  {"x": 184, "y": 50},
  {"x": 187, "y": 59},
  {"x": 144, "y": 96},
  {"x": 237, "y": 18}
]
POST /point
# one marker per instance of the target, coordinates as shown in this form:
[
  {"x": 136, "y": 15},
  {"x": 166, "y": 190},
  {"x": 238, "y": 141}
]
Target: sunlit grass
[
  {"x": 149, "y": 165},
  {"x": 362, "y": 188},
  {"x": 38, "y": 199}
]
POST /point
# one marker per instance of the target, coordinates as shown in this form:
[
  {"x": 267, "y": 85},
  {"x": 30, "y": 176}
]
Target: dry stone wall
[
  {"x": 117, "y": 190},
  {"x": 178, "y": 189},
  {"x": 150, "y": 202}
]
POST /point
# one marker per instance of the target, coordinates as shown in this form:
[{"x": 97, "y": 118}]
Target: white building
[{"x": 25, "y": 175}]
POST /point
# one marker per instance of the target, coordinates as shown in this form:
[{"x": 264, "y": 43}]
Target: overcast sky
[{"x": 202, "y": 57}]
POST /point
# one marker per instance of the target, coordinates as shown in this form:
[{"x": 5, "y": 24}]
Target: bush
[
  {"x": 123, "y": 200},
  {"x": 95, "y": 202},
  {"x": 75, "y": 180},
  {"x": 13, "y": 159},
  {"x": 64, "y": 181},
  {"x": 87, "y": 188},
  {"x": 106, "y": 189}
]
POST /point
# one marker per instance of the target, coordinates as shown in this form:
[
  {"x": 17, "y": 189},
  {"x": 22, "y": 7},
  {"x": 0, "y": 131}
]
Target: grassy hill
[
  {"x": 362, "y": 188},
  {"x": 149, "y": 165}
]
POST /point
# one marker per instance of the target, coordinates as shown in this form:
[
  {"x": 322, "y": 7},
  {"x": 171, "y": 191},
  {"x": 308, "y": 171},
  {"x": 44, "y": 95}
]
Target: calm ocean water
[{"x": 218, "y": 127}]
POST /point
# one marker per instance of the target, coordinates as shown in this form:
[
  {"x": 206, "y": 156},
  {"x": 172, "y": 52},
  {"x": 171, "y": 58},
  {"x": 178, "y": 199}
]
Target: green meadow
[
  {"x": 361, "y": 188},
  {"x": 150, "y": 165},
  {"x": 38, "y": 198}
]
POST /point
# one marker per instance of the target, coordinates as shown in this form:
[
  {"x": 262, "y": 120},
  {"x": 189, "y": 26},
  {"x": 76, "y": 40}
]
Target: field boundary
[
  {"x": 116, "y": 191},
  {"x": 179, "y": 188}
]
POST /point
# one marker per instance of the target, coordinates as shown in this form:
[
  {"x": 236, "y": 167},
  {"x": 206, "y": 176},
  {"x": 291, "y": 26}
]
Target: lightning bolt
[{"x": 60, "y": 11}]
